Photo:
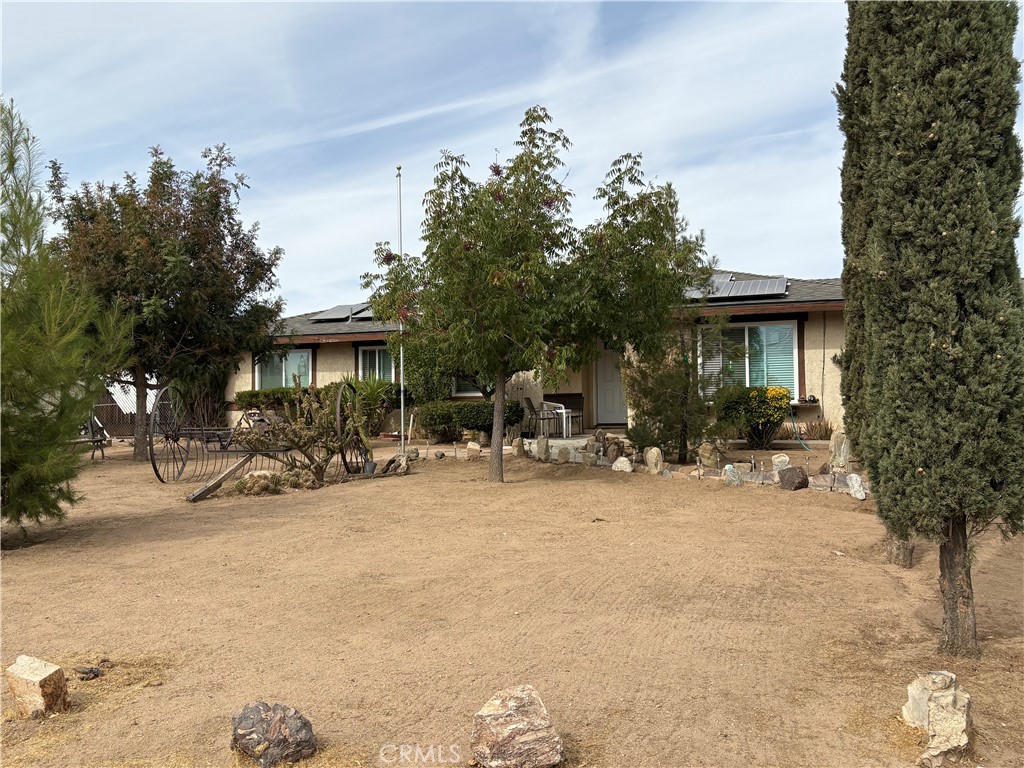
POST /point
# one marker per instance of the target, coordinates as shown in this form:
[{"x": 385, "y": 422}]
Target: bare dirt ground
[{"x": 666, "y": 622}]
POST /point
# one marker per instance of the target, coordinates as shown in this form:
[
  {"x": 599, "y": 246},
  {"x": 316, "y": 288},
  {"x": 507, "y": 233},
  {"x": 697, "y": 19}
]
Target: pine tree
[
  {"x": 929, "y": 107},
  {"x": 56, "y": 344}
]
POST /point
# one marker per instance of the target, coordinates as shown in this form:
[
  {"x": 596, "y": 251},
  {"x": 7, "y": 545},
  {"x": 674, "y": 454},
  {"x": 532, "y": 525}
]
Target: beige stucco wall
[{"x": 823, "y": 338}]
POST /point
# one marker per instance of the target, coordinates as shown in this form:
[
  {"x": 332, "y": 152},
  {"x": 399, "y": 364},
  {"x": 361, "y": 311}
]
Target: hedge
[{"x": 445, "y": 420}]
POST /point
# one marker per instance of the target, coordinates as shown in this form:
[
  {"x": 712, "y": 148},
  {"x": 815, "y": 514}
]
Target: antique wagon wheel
[
  {"x": 347, "y": 416},
  {"x": 170, "y": 444}
]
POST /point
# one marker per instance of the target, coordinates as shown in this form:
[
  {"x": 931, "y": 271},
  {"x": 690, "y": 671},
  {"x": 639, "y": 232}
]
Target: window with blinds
[
  {"x": 766, "y": 355},
  {"x": 376, "y": 362}
]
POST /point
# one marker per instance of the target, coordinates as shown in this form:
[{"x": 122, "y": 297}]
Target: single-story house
[{"x": 791, "y": 328}]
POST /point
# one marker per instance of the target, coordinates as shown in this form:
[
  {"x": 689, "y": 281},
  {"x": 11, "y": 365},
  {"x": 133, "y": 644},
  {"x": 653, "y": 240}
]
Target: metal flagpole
[{"x": 401, "y": 343}]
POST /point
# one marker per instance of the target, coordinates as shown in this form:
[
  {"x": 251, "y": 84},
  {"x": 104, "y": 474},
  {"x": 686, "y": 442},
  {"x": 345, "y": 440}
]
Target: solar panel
[
  {"x": 344, "y": 312},
  {"x": 749, "y": 289}
]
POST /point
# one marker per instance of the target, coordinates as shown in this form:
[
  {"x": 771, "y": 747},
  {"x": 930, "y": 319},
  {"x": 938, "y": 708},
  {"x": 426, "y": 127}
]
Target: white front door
[{"x": 611, "y": 404}]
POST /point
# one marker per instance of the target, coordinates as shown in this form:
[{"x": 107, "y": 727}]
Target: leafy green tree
[
  {"x": 508, "y": 284},
  {"x": 56, "y": 344},
  {"x": 176, "y": 256},
  {"x": 933, "y": 170}
]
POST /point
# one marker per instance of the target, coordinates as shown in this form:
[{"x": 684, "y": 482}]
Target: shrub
[
  {"x": 819, "y": 429},
  {"x": 378, "y": 398},
  {"x": 757, "y": 411},
  {"x": 445, "y": 420}
]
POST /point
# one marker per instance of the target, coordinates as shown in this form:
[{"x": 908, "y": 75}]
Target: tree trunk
[
  {"x": 496, "y": 473},
  {"x": 899, "y": 551},
  {"x": 959, "y": 633},
  {"x": 141, "y": 417}
]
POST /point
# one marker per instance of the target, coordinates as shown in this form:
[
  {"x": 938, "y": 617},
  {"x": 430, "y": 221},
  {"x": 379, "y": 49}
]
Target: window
[
  {"x": 277, "y": 371},
  {"x": 463, "y": 388},
  {"x": 376, "y": 362},
  {"x": 766, "y": 355}
]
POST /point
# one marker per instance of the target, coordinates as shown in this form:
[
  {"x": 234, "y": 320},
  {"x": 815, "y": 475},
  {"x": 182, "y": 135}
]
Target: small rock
[
  {"x": 614, "y": 450},
  {"x": 514, "y": 730},
  {"x": 543, "y": 449},
  {"x": 780, "y": 461},
  {"x": 856, "y": 487},
  {"x": 439, "y": 454},
  {"x": 825, "y": 469},
  {"x": 472, "y": 450},
  {"x": 39, "y": 687},
  {"x": 743, "y": 466},
  {"x": 272, "y": 734},
  {"x": 667, "y": 473},
  {"x": 88, "y": 673},
  {"x": 397, "y": 465},
  {"x": 792, "y": 478},
  {"x": 622, "y": 464},
  {"x": 563, "y": 456}
]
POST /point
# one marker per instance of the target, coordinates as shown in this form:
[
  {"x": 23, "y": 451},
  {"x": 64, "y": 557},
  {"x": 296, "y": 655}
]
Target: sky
[{"x": 319, "y": 102}]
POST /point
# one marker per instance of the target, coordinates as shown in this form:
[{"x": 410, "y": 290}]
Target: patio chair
[{"x": 538, "y": 419}]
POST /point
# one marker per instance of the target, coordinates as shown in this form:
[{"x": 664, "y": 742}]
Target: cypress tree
[{"x": 939, "y": 313}]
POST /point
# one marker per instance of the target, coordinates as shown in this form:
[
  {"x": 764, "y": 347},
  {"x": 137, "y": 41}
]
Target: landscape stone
[
  {"x": 779, "y": 461},
  {"x": 743, "y": 466},
  {"x": 732, "y": 476},
  {"x": 38, "y": 687},
  {"x": 272, "y": 734},
  {"x": 824, "y": 469},
  {"x": 472, "y": 450},
  {"x": 935, "y": 704},
  {"x": 614, "y": 450},
  {"x": 518, "y": 449},
  {"x": 514, "y": 730},
  {"x": 484, "y": 439},
  {"x": 711, "y": 455},
  {"x": 821, "y": 482},
  {"x": 654, "y": 460},
  {"x": 589, "y": 460},
  {"x": 792, "y": 478},
  {"x": 543, "y": 449},
  {"x": 856, "y": 487},
  {"x": 667, "y": 473},
  {"x": 413, "y": 453},
  {"x": 841, "y": 482},
  {"x": 622, "y": 464},
  {"x": 438, "y": 454},
  {"x": 563, "y": 455},
  {"x": 397, "y": 465}
]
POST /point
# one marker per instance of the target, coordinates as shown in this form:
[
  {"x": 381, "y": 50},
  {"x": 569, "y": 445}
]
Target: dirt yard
[{"x": 665, "y": 622}]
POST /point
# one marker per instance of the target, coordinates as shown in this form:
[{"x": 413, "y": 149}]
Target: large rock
[
  {"x": 780, "y": 461},
  {"x": 272, "y": 734},
  {"x": 562, "y": 456},
  {"x": 622, "y": 464},
  {"x": 518, "y": 448},
  {"x": 935, "y": 704},
  {"x": 654, "y": 460},
  {"x": 514, "y": 730},
  {"x": 543, "y": 449},
  {"x": 473, "y": 450},
  {"x": 38, "y": 687},
  {"x": 856, "y": 487},
  {"x": 711, "y": 455},
  {"x": 821, "y": 482},
  {"x": 792, "y": 478},
  {"x": 413, "y": 453},
  {"x": 397, "y": 465},
  {"x": 589, "y": 459},
  {"x": 839, "y": 451}
]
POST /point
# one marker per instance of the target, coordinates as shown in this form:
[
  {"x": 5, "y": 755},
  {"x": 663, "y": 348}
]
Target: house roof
[
  {"x": 345, "y": 322},
  {"x": 749, "y": 293}
]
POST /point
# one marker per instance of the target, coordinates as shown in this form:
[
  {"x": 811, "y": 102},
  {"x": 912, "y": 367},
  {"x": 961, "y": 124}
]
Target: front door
[{"x": 611, "y": 404}]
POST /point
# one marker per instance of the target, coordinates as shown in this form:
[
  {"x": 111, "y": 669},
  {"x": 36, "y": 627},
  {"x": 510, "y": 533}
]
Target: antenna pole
[{"x": 401, "y": 342}]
